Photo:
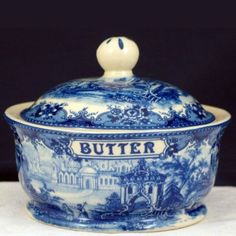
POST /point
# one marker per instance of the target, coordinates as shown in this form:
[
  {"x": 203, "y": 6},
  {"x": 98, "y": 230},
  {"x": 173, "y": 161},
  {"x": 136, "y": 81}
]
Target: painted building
[
  {"x": 90, "y": 174},
  {"x": 142, "y": 185}
]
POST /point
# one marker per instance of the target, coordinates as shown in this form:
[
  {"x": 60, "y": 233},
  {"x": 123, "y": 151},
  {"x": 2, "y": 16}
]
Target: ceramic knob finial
[{"x": 117, "y": 56}]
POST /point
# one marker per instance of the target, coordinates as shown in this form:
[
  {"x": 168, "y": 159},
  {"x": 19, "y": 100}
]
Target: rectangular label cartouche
[{"x": 116, "y": 149}]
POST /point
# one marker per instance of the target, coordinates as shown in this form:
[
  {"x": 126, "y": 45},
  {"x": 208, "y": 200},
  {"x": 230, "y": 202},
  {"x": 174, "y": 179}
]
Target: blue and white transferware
[{"x": 118, "y": 152}]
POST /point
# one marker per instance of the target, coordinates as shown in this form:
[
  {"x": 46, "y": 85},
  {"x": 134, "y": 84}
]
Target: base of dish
[{"x": 162, "y": 221}]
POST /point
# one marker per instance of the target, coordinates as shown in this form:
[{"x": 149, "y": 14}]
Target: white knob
[{"x": 117, "y": 56}]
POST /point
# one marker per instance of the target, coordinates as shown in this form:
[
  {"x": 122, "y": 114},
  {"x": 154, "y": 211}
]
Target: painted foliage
[
  {"x": 68, "y": 189},
  {"x": 127, "y": 103}
]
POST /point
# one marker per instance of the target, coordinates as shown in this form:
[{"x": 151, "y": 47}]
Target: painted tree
[
  {"x": 110, "y": 210},
  {"x": 199, "y": 183},
  {"x": 113, "y": 202},
  {"x": 172, "y": 197}
]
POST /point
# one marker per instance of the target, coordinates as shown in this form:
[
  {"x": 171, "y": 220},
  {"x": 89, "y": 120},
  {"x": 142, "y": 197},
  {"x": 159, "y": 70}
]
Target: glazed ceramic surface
[
  {"x": 117, "y": 153},
  {"x": 127, "y": 103}
]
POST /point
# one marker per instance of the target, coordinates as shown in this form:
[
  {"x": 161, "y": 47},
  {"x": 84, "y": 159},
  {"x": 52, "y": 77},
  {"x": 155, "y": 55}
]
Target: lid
[{"x": 118, "y": 99}]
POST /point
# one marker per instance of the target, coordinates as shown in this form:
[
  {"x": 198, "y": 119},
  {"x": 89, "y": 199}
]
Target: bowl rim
[{"x": 12, "y": 114}]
